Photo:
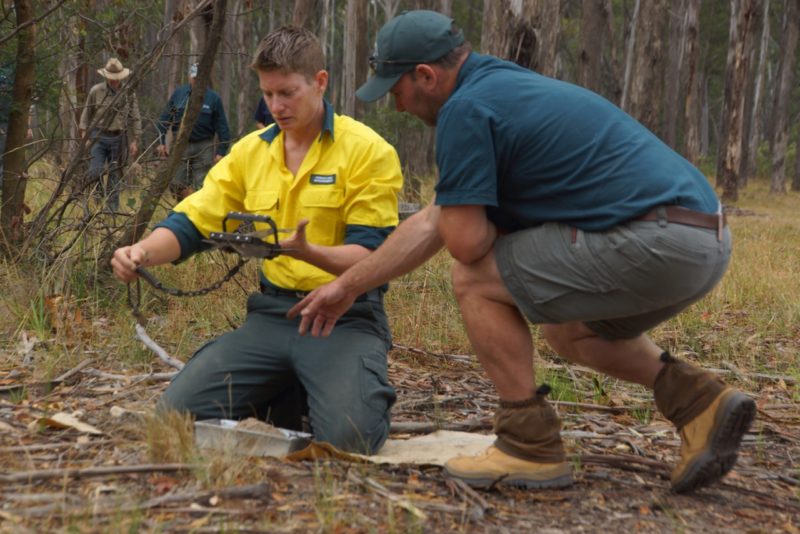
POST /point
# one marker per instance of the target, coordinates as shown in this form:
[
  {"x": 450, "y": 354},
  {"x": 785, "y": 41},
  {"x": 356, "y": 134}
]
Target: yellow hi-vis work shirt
[{"x": 346, "y": 187}]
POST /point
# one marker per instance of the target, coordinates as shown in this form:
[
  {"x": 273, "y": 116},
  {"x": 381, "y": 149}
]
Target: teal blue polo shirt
[{"x": 534, "y": 150}]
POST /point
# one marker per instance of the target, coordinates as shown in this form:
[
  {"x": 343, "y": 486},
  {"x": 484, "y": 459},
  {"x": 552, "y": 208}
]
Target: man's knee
[{"x": 563, "y": 338}]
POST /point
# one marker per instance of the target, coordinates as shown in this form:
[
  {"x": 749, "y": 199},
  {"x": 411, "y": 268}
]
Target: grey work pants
[
  {"x": 196, "y": 163},
  {"x": 107, "y": 149},
  {"x": 257, "y": 370}
]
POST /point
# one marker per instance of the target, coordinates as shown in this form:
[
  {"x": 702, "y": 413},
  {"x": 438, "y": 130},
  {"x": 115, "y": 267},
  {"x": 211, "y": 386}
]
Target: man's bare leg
[
  {"x": 497, "y": 330},
  {"x": 528, "y": 451},
  {"x": 635, "y": 360}
]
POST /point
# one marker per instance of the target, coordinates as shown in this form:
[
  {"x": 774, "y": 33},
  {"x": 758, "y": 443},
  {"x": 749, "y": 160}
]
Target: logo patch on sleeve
[{"x": 323, "y": 179}]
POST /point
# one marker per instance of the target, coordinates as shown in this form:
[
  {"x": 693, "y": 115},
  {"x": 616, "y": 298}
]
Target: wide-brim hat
[{"x": 114, "y": 70}]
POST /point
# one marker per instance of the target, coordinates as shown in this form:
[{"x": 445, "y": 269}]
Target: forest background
[{"x": 715, "y": 79}]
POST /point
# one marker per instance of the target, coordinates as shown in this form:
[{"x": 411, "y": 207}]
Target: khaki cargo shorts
[{"x": 620, "y": 282}]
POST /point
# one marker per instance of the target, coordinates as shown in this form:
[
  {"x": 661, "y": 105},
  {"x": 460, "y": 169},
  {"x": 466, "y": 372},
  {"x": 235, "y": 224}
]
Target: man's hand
[
  {"x": 320, "y": 310},
  {"x": 133, "y": 149},
  {"x": 162, "y": 151},
  {"x": 126, "y": 260},
  {"x": 296, "y": 245}
]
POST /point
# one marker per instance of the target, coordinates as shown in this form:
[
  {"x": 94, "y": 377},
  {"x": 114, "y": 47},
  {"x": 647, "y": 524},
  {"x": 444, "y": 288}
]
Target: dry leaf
[
  {"x": 65, "y": 420},
  {"x": 5, "y": 427}
]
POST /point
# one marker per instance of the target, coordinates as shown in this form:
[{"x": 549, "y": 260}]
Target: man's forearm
[{"x": 412, "y": 243}]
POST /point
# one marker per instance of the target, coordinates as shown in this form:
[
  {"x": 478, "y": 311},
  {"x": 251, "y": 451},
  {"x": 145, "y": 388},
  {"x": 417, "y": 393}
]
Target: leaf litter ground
[{"x": 64, "y": 479}]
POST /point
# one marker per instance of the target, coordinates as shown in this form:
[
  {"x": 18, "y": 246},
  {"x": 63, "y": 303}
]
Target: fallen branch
[
  {"x": 72, "y": 371},
  {"x": 151, "y": 377},
  {"x": 457, "y": 357},
  {"x": 155, "y": 347},
  {"x": 386, "y": 494},
  {"x": 627, "y": 462},
  {"x": 412, "y": 427},
  {"x": 478, "y": 506},
  {"x": 45, "y": 474},
  {"x": 251, "y": 491}
]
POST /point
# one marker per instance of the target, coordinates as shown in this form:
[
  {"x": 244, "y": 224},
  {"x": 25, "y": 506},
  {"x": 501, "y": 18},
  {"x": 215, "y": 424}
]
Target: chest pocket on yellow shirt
[
  {"x": 323, "y": 208},
  {"x": 262, "y": 203}
]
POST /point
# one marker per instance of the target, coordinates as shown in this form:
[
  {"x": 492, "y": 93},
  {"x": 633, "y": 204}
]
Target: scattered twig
[
  {"x": 72, "y": 371},
  {"x": 30, "y": 476},
  {"x": 155, "y": 347},
  {"x": 252, "y": 491},
  {"x": 412, "y": 427},
  {"x": 628, "y": 462},
  {"x": 457, "y": 357},
  {"x": 50, "y": 446},
  {"x": 478, "y": 506},
  {"x": 386, "y": 494},
  {"x": 150, "y": 377}
]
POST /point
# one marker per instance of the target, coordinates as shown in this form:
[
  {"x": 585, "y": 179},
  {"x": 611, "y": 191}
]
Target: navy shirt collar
[{"x": 327, "y": 125}]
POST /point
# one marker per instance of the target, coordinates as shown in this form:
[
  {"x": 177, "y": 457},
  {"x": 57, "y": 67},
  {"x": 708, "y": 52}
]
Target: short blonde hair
[{"x": 290, "y": 49}]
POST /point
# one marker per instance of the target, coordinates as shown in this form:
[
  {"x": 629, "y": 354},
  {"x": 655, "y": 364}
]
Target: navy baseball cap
[{"x": 411, "y": 38}]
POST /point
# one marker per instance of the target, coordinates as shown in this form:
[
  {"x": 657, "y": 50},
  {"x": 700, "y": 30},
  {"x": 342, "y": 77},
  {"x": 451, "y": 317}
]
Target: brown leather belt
[{"x": 680, "y": 215}]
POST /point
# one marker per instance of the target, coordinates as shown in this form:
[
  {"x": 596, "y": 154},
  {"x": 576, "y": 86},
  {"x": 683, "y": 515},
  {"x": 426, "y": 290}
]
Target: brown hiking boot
[
  {"x": 711, "y": 417},
  {"x": 710, "y": 442},
  {"x": 496, "y": 467},
  {"x": 528, "y": 452}
]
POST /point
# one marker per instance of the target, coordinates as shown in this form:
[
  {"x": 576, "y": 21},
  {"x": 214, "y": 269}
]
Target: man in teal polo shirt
[
  {"x": 202, "y": 152},
  {"x": 561, "y": 209}
]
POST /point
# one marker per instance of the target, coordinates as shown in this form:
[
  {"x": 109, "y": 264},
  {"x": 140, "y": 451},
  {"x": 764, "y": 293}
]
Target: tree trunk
[
  {"x": 14, "y": 176},
  {"x": 303, "y": 13},
  {"x": 751, "y": 103},
  {"x": 796, "y": 179},
  {"x": 675, "y": 67},
  {"x": 691, "y": 106},
  {"x": 629, "y": 55},
  {"x": 548, "y": 25},
  {"x": 68, "y": 111},
  {"x": 647, "y": 76},
  {"x": 743, "y": 16},
  {"x": 756, "y": 129},
  {"x": 356, "y": 52},
  {"x": 510, "y": 31},
  {"x": 595, "y": 16},
  {"x": 160, "y": 184},
  {"x": 780, "y": 108}
]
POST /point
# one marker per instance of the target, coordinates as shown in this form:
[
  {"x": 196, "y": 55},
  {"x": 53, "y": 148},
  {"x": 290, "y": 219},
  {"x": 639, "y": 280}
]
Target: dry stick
[
  {"x": 155, "y": 347},
  {"x": 72, "y": 472},
  {"x": 479, "y": 507},
  {"x": 627, "y": 462},
  {"x": 52, "y": 446},
  {"x": 251, "y": 491},
  {"x": 152, "y": 377},
  {"x": 72, "y": 371},
  {"x": 424, "y": 428},
  {"x": 457, "y": 357},
  {"x": 386, "y": 494}
]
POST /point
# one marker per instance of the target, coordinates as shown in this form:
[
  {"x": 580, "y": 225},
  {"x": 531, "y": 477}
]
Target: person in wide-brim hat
[{"x": 114, "y": 70}]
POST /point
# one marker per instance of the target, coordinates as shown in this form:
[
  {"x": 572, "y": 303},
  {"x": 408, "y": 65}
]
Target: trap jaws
[{"x": 250, "y": 244}]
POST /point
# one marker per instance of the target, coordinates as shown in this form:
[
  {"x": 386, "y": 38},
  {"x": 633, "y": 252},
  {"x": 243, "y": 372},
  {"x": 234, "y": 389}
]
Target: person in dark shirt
[
  {"x": 561, "y": 210},
  {"x": 262, "y": 116},
  {"x": 201, "y": 153}
]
